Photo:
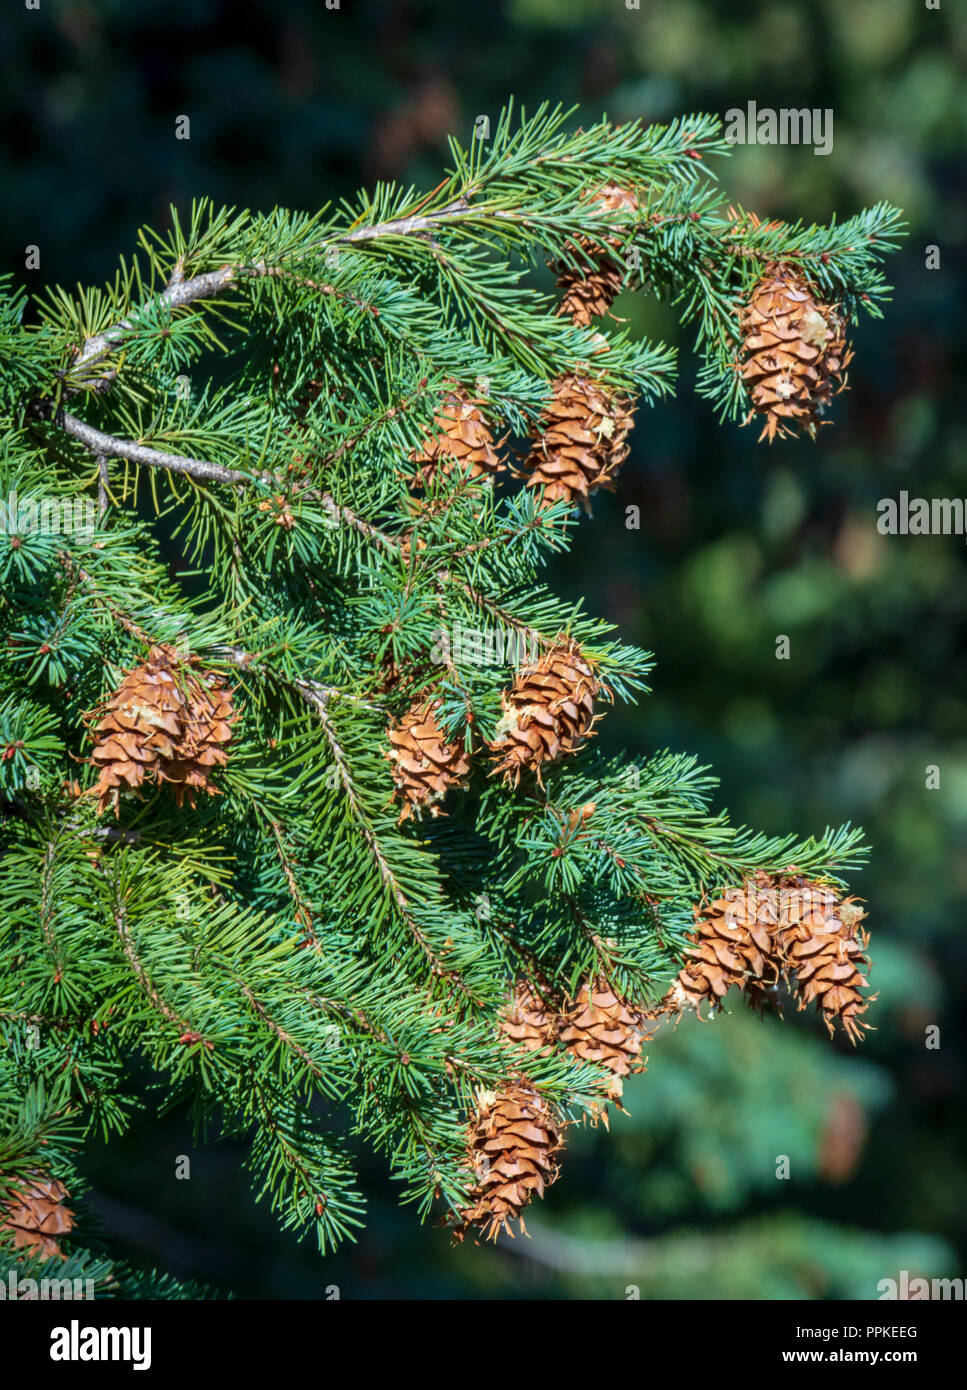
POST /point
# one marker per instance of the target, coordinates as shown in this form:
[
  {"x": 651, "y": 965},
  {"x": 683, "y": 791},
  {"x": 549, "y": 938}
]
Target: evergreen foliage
[{"x": 225, "y": 434}]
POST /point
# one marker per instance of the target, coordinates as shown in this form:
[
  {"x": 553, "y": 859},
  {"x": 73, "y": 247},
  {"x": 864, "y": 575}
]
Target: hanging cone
[
  {"x": 530, "y": 1019},
  {"x": 548, "y": 712},
  {"x": 137, "y": 733},
  {"x": 464, "y": 437},
  {"x": 824, "y": 951},
  {"x": 734, "y": 945},
  {"x": 167, "y": 722},
  {"x": 208, "y": 727},
  {"x": 425, "y": 765},
  {"x": 580, "y": 441},
  {"x": 34, "y": 1211},
  {"x": 600, "y": 1027},
  {"x": 512, "y": 1145},
  {"x": 795, "y": 353},
  {"x": 591, "y": 289}
]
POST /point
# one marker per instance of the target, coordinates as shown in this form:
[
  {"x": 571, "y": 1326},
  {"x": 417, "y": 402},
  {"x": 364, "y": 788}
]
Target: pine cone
[
  {"x": 530, "y": 1019},
  {"x": 208, "y": 727},
  {"x": 589, "y": 292},
  {"x": 580, "y": 441},
  {"x": 512, "y": 1145},
  {"x": 548, "y": 712},
  {"x": 598, "y": 1026},
  {"x": 735, "y": 944},
  {"x": 168, "y": 722},
  {"x": 36, "y": 1214},
  {"x": 824, "y": 951},
  {"x": 795, "y": 352},
  {"x": 425, "y": 765},
  {"x": 464, "y": 437}
]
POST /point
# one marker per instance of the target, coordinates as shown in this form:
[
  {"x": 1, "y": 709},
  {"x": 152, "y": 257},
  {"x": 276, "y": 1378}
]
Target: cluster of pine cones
[
  {"x": 794, "y": 357},
  {"x": 578, "y": 443},
  {"x": 794, "y": 354},
  {"x": 516, "y": 1134},
  {"x": 168, "y": 722},
  {"x": 548, "y": 712},
  {"x": 771, "y": 929},
  {"x": 596, "y": 1026}
]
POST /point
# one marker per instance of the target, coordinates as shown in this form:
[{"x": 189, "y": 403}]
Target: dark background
[{"x": 297, "y": 104}]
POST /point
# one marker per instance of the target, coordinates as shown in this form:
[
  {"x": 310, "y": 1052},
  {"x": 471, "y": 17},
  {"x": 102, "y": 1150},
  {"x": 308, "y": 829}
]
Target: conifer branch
[
  {"x": 178, "y": 293},
  {"x": 492, "y": 608},
  {"x": 303, "y": 912},
  {"x": 107, "y": 446},
  {"x": 167, "y": 1011},
  {"x": 278, "y": 1031},
  {"x": 122, "y": 618},
  {"x": 371, "y": 840},
  {"x": 46, "y": 908},
  {"x": 283, "y": 397}
]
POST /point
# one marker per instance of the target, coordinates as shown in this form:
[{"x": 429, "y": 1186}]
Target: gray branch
[
  {"x": 109, "y": 447},
  {"x": 178, "y": 292},
  {"x": 411, "y": 226}
]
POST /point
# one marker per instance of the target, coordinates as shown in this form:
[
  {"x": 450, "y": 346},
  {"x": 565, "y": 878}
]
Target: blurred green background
[{"x": 739, "y": 543}]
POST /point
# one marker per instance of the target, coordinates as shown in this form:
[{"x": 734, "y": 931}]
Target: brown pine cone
[
  {"x": 772, "y": 928},
  {"x": 795, "y": 353},
  {"x": 169, "y": 721},
  {"x": 34, "y": 1211},
  {"x": 734, "y": 944},
  {"x": 824, "y": 949},
  {"x": 531, "y": 1017},
  {"x": 463, "y": 437},
  {"x": 600, "y": 1027},
  {"x": 512, "y": 1147},
  {"x": 548, "y": 712},
  {"x": 579, "y": 443},
  {"x": 425, "y": 765},
  {"x": 590, "y": 290}
]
